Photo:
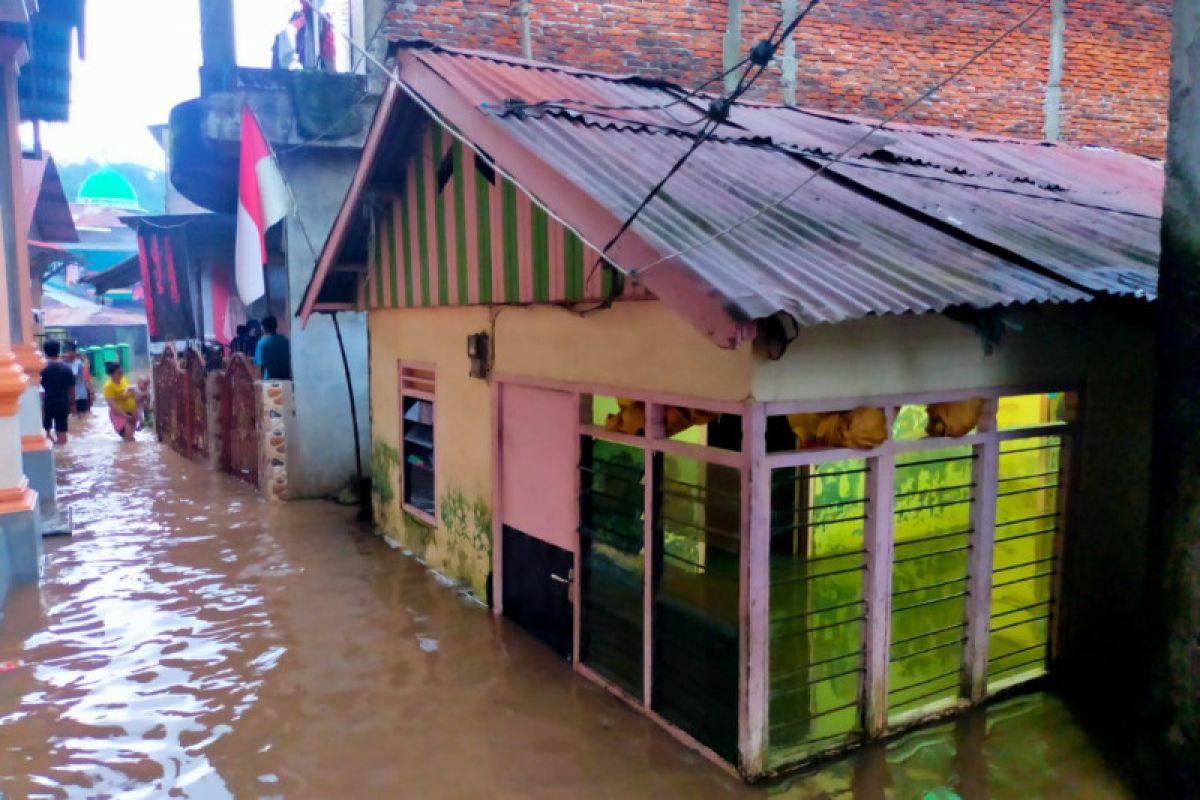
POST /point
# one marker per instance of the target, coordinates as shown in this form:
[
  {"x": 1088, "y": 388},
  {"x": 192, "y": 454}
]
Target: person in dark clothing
[
  {"x": 273, "y": 354},
  {"x": 58, "y": 387},
  {"x": 241, "y": 343}
]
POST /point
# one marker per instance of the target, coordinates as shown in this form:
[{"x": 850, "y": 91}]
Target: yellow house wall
[
  {"x": 636, "y": 345},
  {"x": 643, "y": 347}
]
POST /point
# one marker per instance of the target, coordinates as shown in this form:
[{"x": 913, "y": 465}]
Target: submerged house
[{"x": 823, "y": 449}]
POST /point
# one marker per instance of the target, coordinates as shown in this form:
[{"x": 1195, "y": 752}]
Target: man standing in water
[
  {"x": 273, "y": 353},
  {"x": 85, "y": 395},
  {"x": 58, "y": 385}
]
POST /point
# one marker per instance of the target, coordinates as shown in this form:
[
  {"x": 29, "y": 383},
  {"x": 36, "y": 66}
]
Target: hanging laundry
[
  {"x": 955, "y": 419},
  {"x": 860, "y": 428}
]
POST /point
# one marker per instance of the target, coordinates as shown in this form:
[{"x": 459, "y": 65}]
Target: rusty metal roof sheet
[{"x": 913, "y": 220}]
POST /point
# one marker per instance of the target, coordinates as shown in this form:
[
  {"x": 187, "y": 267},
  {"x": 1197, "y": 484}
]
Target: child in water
[
  {"x": 142, "y": 392},
  {"x": 122, "y": 401}
]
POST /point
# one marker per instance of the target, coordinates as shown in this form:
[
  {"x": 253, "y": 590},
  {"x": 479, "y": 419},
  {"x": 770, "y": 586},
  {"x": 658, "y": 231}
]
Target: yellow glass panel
[
  {"x": 1032, "y": 410},
  {"x": 910, "y": 423}
]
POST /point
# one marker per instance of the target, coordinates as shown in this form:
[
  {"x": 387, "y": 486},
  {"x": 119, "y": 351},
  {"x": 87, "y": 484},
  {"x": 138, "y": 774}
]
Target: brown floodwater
[{"x": 193, "y": 641}]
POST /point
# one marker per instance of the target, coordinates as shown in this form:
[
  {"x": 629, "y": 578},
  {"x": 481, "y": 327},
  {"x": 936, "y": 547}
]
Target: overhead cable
[
  {"x": 718, "y": 112},
  {"x": 845, "y": 152}
]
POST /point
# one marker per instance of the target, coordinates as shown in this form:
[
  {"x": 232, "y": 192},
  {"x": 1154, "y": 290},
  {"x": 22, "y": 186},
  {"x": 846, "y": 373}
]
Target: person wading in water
[
  {"x": 58, "y": 384},
  {"x": 122, "y": 401},
  {"x": 85, "y": 395}
]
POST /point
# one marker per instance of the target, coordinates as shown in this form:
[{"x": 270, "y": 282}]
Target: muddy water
[{"x": 192, "y": 641}]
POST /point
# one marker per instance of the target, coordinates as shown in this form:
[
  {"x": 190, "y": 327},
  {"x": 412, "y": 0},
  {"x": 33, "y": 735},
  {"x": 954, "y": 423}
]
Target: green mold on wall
[
  {"x": 385, "y": 463},
  {"x": 468, "y": 537}
]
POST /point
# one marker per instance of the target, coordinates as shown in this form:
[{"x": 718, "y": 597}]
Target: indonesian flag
[{"x": 263, "y": 200}]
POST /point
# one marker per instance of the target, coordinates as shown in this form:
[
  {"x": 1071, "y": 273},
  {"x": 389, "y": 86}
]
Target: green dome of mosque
[{"x": 107, "y": 187}]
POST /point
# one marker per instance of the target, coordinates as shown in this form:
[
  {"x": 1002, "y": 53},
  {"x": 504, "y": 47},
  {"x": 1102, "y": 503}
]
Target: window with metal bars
[
  {"x": 611, "y": 537},
  {"x": 697, "y": 575},
  {"x": 1028, "y": 520},
  {"x": 932, "y": 536},
  {"x": 815, "y": 646},
  {"x": 417, "y": 392}
]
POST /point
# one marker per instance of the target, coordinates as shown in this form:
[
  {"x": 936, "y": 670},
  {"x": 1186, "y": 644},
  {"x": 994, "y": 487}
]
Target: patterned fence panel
[
  {"x": 168, "y": 398},
  {"x": 196, "y": 407},
  {"x": 239, "y": 421}
]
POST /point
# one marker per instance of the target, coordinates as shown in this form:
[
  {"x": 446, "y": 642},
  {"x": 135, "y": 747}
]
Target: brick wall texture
[{"x": 864, "y": 57}]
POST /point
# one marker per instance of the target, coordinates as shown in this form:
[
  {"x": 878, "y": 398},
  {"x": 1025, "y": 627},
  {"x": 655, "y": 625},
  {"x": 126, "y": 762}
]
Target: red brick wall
[{"x": 862, "y": 56}]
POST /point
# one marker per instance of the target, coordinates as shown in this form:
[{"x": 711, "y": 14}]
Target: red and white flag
[{"x": 263, "y": 200}]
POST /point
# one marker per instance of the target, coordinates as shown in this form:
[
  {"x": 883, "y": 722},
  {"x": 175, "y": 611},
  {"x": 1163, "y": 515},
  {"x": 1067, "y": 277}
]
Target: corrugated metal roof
[{"x": 915, "y": 220}]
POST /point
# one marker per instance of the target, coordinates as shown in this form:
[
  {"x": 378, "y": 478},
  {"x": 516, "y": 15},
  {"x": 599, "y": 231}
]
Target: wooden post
[
  {"x": 753, "y": 721},
  {"x": 878, "y": 590},
  {"x": 978, "y": 606}
]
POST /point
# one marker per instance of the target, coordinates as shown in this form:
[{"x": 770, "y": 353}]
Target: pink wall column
[{"x": 756, "y": 594}]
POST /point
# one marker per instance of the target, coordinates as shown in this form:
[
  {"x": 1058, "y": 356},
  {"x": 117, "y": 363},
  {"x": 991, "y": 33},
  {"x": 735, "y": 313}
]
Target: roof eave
[
  {"x": 331, "y": 250},
  {"x": 674, "y": 285}
]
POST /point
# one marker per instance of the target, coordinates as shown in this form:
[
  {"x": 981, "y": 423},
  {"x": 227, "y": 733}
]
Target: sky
[{"x": 143, "y": 58}]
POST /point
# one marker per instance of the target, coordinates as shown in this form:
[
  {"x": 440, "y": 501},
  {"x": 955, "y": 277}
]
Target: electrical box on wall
[{"x": 479, "y": 352}]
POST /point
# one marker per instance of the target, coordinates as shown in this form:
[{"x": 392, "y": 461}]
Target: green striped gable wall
[{"x": 458, "y": 234}]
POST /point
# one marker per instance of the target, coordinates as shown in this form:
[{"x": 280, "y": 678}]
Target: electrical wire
[
  {"x": 568, "y": 104},
  {"x": 760, "y": 56},
  {"x": 845, "y": 152}
]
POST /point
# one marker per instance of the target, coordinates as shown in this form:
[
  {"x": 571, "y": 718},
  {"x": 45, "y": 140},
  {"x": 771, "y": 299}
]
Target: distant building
[
  {"x": 1096, "y": 74},
  {"x": 316, "y": 121}
]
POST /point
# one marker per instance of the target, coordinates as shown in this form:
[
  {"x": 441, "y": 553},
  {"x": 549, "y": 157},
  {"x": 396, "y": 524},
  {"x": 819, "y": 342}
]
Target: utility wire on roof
[
  {"x": 718, "y": 112},
  {"x": 753, "y": 57},
  {"x": 845, "y": 152},
  {"x": 573, "y": 104}
]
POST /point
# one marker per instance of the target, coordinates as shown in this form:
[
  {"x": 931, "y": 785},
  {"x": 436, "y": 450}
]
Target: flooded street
[{"x": 192, "y": 641}]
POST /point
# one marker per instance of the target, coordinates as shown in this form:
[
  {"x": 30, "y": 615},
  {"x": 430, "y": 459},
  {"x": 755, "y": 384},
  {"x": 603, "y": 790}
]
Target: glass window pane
[
  {"x": 1027, "y": 522},
  {"x": 816, "y": 607},
  {"x": 1032, "y": 410},
  {"x": 932, "y": 532},
  {"x": 611, "y": 536},
  {"x": 418, "y": 455},
  {"x": 697, "y": 599}
]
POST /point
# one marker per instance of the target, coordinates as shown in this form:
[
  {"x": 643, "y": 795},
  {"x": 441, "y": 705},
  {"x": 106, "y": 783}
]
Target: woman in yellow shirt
[{"x": 121, "y": 399}]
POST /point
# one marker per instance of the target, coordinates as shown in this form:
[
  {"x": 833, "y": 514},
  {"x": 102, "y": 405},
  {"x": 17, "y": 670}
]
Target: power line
[
  {"x": 845, "y": 152},
  {"x": 760, "y": 56},
  {"x": 763, "y": 52}
]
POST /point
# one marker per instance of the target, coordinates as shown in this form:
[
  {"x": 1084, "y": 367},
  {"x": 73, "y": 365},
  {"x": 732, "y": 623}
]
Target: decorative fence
[
  {"x": 197, "y": 406},
  {"x": 180, "y": 402},
  {"x": 239, "y": 420}
]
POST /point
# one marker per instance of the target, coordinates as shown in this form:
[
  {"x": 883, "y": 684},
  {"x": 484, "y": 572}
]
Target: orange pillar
[
  {"x": 20, "y": 525},
  {"x": 37, "y": 460}
]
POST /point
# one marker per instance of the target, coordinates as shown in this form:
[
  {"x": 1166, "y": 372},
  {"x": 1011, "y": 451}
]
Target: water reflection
[{"x": 192, "y": 641}]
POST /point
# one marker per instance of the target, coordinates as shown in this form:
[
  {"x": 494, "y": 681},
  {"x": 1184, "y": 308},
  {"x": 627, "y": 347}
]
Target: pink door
[{"x": 538, "y": 510}]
